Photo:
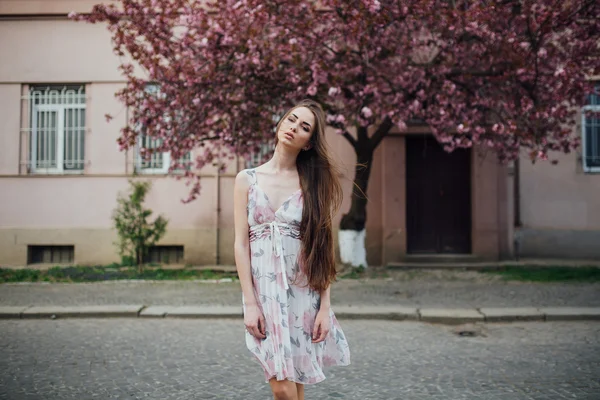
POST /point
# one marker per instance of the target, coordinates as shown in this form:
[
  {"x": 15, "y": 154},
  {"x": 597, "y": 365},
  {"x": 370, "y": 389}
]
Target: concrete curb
[
  {"x": 96, "y": 311},
  {"x": 204, "y": 312},
  {"x": 497, "y": 314},
  {"x": 450, "y": 316},
  {"x": 571, "y": 313},
  {"x": 9, "y": 312},
  {"x": 397, "y": 313}
]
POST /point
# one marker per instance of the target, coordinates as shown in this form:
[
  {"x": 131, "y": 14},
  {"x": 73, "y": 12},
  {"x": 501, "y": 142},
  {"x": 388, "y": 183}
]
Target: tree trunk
[
  {"x": 139, "y": 258},
  {"x": 352, "y": 231},
  {"x": 356, "y": 217}
]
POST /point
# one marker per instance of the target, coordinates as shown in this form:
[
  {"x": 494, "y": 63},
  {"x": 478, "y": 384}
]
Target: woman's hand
[
  {"x": 322, "y": 326},
  {"x": 254, "y": 321}
]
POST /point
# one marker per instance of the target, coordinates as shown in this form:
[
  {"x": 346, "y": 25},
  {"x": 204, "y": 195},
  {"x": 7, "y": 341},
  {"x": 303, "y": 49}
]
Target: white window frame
[
  {"x": 255, "y": 158},
  {"x": 166, "y": 155},
  {"x": 166, "y": 159},
  {"x": 267, "y": 147},
  {"x": 584, "y": 144},
  {"x": 60, "y": 110}
]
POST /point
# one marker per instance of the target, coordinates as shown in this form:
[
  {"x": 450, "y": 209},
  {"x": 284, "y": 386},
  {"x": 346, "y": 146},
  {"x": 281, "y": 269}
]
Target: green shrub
[{"x": 136, "y": 233}]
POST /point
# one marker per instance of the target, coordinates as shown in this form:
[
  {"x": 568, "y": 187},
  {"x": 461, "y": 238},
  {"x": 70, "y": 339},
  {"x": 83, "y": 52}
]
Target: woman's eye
[
  {"x": 305, "y": 129},
  {"x": 291, "y": 119}
]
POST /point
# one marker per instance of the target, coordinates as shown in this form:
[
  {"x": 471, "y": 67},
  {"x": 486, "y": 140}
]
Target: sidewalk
[{"x": 431, "y": 296}]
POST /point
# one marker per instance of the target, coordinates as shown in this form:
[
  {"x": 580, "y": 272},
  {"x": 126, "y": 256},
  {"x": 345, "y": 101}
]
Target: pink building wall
[
  {"x": 559, "y": 208},
  {"x": 76, "y": 209}
]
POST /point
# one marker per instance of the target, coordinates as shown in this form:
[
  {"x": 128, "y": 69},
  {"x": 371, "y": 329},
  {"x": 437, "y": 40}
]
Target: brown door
[{"x": 438, "y": 197}]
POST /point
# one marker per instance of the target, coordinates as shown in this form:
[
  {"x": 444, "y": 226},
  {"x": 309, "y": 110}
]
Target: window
[
  {"x": 265, "y": 149},
  {"x": 50, "y": 254},
  {"x": 57, "y": 129},
  {"x": 258, "y": 157},
  {"x": 164, "y": 255},
  {"x": 590, "y": 126},
  {"x": 157, "y": 162}
]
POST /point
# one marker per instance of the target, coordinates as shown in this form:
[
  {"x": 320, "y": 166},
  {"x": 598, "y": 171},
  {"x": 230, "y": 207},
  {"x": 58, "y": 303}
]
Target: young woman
[{"x": 285, "y": 257}]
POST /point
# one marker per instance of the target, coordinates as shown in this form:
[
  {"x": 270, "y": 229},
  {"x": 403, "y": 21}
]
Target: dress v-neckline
[{"x": 275, "y": 210}]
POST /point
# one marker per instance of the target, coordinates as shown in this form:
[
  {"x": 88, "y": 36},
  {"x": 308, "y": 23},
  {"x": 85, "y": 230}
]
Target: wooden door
[{"x": 438, "y": 191}]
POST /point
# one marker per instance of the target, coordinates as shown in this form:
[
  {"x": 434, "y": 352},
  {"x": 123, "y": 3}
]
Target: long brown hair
[{"x": 322, "y": 193}]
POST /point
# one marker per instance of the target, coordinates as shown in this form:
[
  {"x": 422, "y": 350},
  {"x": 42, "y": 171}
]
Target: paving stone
[
  {"x": 205, "y": 312},
  {"x": 570, "y": 313},
  {"x": 12, "y": 311},
  {"x": 376, "y": 312},
  {"x": 449, "y": 315},
  {"x": 89, "y": 311},
  {"x": 185, "y": 359},
  {"x": 506, "y": 314}
]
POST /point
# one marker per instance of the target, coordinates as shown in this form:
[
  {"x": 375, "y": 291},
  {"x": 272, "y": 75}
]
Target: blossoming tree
[{"x": 505, "y": 74}]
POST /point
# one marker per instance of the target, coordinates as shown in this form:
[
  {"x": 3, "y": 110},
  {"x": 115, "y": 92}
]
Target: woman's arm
[
  {"x": 241, "y": 241},
  {"x": 322, "y": 322},
  {"x": 326, "y": 299},
  {"x": 253, "y": 317}
]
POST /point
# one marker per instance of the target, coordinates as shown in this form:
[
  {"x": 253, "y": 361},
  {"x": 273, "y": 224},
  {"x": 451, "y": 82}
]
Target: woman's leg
[
  {"x": 300, "y": 388},
  {"x": 284, "y": 390}
]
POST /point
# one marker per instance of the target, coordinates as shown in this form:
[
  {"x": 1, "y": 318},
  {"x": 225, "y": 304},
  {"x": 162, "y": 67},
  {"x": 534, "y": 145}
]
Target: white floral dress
[{"x": 288, "y": 304}]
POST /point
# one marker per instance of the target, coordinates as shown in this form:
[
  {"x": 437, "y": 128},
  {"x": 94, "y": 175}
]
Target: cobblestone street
[{"x": 178, "y": 359}]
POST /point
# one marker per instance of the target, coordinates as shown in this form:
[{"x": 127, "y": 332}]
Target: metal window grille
[
  {"x": 265, "y": 149},
  {"x": 157, "y": 162},
  {"x": 591, "y": 133},
  {"x": 37, "y": 254},
  {"x": 56, "y": 129},
  {"x": 257, "y": 157},
  {"x": 164, "y": 255}
]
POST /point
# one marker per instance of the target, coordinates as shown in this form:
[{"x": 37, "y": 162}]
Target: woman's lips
[{"x": 289, "y": 135}]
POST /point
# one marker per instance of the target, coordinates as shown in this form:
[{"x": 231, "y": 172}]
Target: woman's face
[{"x": 296, "y": 129}]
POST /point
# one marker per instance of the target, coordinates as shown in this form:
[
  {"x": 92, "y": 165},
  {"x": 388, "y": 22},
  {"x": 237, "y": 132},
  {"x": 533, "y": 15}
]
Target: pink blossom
[
  {"x": 235, "y": 67},
  {"x": 373, "y": 5}
]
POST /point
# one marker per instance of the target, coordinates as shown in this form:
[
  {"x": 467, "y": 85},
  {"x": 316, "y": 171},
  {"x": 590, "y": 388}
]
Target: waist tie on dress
[{"x": 277, "y": 242}]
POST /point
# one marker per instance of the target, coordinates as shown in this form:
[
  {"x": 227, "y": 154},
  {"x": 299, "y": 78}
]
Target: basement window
[
  {"x": 46, "y": 254},
  {"x": 165, "y": 255}
]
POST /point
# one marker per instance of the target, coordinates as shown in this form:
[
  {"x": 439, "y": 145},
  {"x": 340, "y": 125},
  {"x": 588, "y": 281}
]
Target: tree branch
[
  {"x": 381, "y": 132},
  {"x": 350, "y": 139}
]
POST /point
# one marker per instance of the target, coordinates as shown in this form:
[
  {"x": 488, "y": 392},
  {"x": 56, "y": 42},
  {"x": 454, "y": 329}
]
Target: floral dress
[{"x": 288, "y": 304}]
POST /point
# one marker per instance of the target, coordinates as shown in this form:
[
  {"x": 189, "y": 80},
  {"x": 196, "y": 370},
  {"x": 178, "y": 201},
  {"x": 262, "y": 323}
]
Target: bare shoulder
[
  {"x": 242, "y": 180},
  {"x": 261, "y": 168}
]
